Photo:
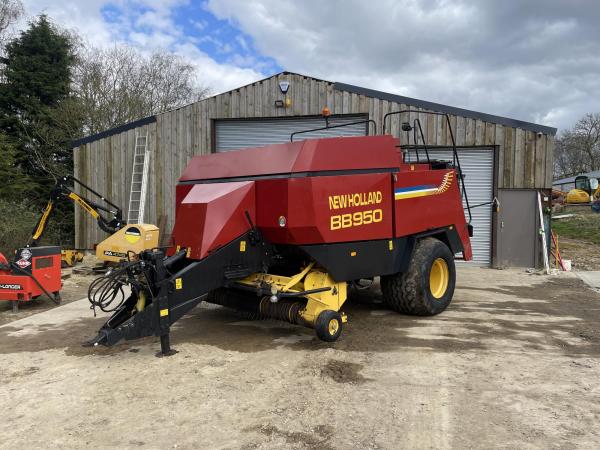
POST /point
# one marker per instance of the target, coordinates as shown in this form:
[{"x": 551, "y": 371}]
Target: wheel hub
[
  {"x": 333, "y": 327},
  {"x": 438, "y": 278}
]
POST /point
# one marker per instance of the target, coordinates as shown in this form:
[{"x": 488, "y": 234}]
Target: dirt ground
[
  {"x": 583, "y": 255},
  {"x": 513, "y": 363}
]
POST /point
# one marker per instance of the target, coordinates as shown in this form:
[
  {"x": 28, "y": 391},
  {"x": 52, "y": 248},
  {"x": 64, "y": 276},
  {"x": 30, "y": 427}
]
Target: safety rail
[
  {"x": 407, "y": 127},
  {"x": 455, "y": 159},
  {"x": 329, "y": 127}
]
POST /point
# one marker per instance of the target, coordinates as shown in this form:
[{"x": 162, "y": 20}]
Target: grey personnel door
[{"x": 517, "y": 228}]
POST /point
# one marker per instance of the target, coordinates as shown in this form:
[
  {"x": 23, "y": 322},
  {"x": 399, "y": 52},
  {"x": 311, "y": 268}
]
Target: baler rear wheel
[
  {"x": 428, "y": 286},
  {"x": 328, "y": 325}
]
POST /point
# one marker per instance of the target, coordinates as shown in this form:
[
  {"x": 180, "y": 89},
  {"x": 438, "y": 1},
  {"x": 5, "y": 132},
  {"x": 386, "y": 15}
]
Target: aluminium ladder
[{"x": 139, "y": 180}]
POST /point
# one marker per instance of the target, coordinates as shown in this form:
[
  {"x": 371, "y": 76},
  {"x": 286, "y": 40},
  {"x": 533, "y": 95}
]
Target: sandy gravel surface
[{"x": 513, "y": 363}]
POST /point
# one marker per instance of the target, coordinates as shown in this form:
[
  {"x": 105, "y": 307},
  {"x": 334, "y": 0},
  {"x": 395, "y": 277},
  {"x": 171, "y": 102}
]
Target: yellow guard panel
[{"x": 130, "y": 239}]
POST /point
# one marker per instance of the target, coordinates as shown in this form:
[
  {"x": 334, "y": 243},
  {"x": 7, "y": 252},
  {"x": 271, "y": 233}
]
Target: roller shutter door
[
  {"x": 478, "y": 166},
  {"x": 237, "y": 134}
]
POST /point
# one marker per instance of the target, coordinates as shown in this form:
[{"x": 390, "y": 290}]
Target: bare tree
[
  {"x": 10, "y": 12},
  {"x": 118, "y": 85},
  {"x": 578, "y": 149}
]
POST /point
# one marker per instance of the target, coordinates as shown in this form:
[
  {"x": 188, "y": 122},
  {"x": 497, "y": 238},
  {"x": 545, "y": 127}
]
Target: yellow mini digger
[{"x": 586, "y": 190}]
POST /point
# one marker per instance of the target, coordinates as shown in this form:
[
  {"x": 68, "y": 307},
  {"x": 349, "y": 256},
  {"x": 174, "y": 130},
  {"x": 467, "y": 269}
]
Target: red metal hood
[{"x": 311, "y": 155}]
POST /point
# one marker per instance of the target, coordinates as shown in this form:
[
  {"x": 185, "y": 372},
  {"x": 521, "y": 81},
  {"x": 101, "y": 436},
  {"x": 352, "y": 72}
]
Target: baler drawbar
[{"x": 282, "y": 231}]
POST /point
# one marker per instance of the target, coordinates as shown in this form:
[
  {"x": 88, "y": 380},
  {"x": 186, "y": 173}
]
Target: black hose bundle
[{"x": 109, "y": 288}]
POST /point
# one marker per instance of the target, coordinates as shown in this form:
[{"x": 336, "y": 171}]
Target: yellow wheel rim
[
  {"x": 333, "y": 327},
  {"x": 438, "y": 278}
]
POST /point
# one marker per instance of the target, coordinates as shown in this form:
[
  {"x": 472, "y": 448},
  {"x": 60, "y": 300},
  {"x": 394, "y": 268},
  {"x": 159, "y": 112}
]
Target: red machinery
[
  {"x": 36, "y": 271},
  {"x": 281, "y": 231}
]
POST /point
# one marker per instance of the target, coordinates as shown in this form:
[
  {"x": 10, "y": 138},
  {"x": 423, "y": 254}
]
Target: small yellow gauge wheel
[{"x": 328, "y": 325}]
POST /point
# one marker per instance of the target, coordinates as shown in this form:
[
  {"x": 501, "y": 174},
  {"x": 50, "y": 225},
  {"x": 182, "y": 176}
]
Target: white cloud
[
  {"x": 537, "y": 60},
  {"x": 534, "y": 60},
  {"x": 148, "y": 25},
  {"x": 83, "y": 17}
]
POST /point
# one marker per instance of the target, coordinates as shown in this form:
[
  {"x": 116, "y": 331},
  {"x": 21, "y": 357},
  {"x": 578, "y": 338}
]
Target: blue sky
[
  {"x": 220, "y": 39},
  {"x": 537, "y": 60}
]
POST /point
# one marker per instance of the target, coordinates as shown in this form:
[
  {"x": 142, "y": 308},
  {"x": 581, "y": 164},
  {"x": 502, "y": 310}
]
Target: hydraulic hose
[{"x": 104, "y": 291}]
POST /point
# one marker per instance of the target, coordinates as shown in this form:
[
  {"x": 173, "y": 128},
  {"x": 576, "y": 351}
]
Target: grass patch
[{"x": 581, "y": 227}]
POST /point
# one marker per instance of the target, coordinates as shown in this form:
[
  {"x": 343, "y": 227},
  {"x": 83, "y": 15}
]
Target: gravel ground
[
  {"x": 513, "y": 363},
  {"x": 583, "y": 255}
]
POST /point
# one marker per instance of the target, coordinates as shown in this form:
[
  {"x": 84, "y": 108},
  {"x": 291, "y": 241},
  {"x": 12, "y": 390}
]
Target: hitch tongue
[{"x": 95, "y": 341}]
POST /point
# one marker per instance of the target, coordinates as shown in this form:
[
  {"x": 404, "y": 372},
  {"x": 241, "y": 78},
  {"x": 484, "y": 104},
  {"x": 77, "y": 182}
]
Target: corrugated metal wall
[
  {"x": 477, "y": 165},
  {"x": 237, "y": 134},
  {"x": 525, "y": 158}
]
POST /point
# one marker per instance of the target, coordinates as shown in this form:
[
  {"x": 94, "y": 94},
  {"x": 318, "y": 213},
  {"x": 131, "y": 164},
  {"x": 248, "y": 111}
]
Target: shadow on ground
[{"x": 562, "y": 314}]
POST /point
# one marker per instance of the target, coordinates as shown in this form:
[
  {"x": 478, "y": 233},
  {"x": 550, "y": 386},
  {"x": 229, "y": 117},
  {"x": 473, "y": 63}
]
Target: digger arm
[{"x": 93, "y": 209}]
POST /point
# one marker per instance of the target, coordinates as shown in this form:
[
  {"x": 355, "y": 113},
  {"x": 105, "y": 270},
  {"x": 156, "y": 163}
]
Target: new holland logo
[
  {"x": 12, "y": 287},
  {"x": 424, "y": 190}
]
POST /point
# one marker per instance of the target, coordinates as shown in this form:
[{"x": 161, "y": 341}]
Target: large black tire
[
  {"x": 220, "y": 297},
  {"x": 328, "y": 325},
  {"x": 411, "y": 292}
]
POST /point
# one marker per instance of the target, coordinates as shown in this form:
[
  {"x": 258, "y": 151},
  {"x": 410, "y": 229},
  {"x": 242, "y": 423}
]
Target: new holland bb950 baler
[{"x": 282, "y": 231}]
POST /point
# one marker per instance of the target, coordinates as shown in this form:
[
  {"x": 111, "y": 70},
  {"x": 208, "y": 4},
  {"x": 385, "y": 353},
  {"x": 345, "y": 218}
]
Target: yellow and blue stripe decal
[
  {"x": 414, "y": 191},
  {"x": 424, "y": 190}
]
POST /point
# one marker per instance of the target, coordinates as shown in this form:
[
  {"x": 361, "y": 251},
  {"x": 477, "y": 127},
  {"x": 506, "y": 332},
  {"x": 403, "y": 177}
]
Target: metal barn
[{"x": 501, "y": 157}]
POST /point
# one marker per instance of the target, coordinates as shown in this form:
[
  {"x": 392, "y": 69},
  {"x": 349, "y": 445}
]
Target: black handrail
[
  {"x": 328, "y": 127},
  {"x": 418, "y": 122},
  {"x": 455, "y": 158}
]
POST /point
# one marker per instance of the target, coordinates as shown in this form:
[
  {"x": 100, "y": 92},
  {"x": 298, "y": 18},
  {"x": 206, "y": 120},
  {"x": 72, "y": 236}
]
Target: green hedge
[{"x": 17, "y": 220}]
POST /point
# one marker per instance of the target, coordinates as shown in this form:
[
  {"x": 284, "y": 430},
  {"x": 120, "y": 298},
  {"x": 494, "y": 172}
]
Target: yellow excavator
[
  {"x": 125, "y": 241},
  {"x": 586, "y": 190}
]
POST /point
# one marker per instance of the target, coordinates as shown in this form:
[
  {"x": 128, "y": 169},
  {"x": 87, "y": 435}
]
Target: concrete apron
[
  {"x": 79, "y": 309},
  {"x": 591, "y": 278}
]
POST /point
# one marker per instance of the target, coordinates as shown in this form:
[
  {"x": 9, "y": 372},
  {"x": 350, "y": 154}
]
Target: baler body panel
[
  {"x": 210, "y": 216},
  {"x": 325, "y": 209},
  {"x": 429, "y": 199},
  {"x": 317, "y": 155},
  {"x": 321, "y": 191}
]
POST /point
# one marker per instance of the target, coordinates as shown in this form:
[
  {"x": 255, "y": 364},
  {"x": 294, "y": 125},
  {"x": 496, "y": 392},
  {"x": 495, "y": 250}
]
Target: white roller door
[
  {"x": 478, "y": 167},
  {"x": 237, "y": 134}
]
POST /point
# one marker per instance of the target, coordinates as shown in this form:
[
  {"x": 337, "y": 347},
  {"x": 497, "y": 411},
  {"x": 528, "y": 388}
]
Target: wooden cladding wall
[{"x": 525, "y": 158}]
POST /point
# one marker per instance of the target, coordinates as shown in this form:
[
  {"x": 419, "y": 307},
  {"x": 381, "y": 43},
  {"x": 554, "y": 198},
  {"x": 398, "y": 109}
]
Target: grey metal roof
[
  {"x": 116, "y": 130},
  {"x": 594, "y": 174},
  {"x": 447, "y": 109}
]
